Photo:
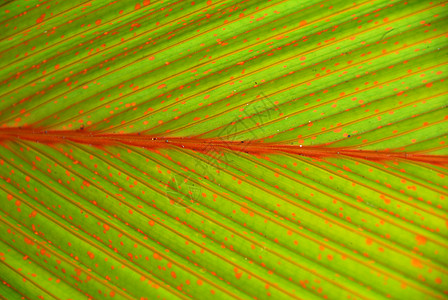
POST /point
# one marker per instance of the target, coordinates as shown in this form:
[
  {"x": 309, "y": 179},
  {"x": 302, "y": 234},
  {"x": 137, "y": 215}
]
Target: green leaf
[{"x": 223, "y": 149}]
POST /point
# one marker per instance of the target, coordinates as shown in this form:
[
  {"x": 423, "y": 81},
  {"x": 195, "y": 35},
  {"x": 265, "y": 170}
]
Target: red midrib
[{"x": 205, "y": 145}]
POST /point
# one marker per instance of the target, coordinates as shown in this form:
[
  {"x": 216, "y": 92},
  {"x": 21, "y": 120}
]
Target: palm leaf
[{"x": 227, "y": 149}]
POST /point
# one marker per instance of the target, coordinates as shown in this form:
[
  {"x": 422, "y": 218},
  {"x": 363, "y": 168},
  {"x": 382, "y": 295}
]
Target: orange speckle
[
  {"x": 438, "y": 280},
  {"x": 98, "y": 22},
  {"x": 40, "y": 19},
  {"x": 417, "y": 263},
  {"x": 199, "y": 282},
  {"x": 28, "y": 241},
  {"x": 161, "y": 86},
  {"x": 173, "y": 274},
  {"x": 302, "y": 23},
  {"x": 146, "y": 2},
  {"x": 91, "y": 255},
  {"x": 421, "y": 240},
  {"x": 137, "y": 6},
  {"x": 244, "y": 210},
  {"x": 56, "y": 67},
  {"x": 151, "y": 223},
  {"x": 429, "y": 84}
]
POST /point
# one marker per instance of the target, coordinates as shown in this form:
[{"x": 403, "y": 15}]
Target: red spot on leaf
[
  {"x": 98, "y": 22},
  {"x": 417, "y": 263},
  {"x": 28, "y": 241},
  {"x": 421, "y": 240},
  {"x": 162, "y": 86},
  {"x": 237, "y": 274},
  {"x": 40, "y": 19}
]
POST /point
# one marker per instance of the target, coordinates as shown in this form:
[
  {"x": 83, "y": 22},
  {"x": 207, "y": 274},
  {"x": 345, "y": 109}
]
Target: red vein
[{"x": 204, "y": 145}]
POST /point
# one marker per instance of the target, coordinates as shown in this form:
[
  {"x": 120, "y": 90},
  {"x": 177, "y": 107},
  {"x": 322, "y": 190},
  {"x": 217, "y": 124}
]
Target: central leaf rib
[{"x": 204, "y": 145}]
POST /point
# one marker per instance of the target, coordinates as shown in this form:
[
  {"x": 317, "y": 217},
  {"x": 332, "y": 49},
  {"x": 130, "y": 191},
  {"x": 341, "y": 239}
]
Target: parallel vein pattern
[{"x": 216, "y": 204}]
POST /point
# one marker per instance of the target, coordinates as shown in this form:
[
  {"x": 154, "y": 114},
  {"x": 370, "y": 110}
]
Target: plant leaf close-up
[{"x": 223, "y": 149}]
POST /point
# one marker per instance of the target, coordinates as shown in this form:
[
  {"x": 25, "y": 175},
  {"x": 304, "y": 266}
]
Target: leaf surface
[{"x": 228, "y": 149}]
